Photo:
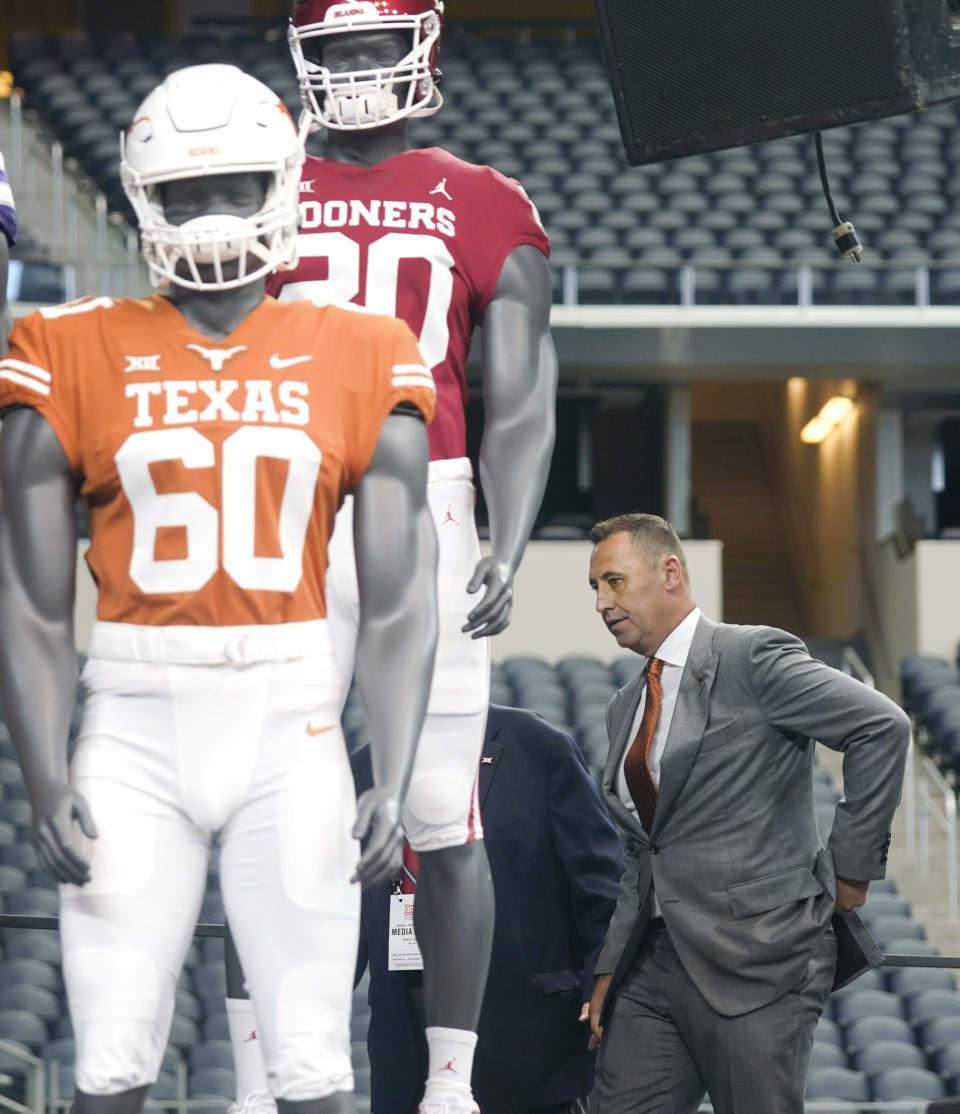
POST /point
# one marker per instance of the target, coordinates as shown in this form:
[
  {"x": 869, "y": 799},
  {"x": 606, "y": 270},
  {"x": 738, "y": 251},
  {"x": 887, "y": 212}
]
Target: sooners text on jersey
[
  {"x": 422, "y": 235},
  {"x": 212, "y": 470}
]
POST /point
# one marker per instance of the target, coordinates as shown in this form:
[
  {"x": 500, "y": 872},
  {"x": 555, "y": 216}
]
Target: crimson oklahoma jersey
[
  {"x": 212, "y": 470},
  {"x": 423, "y": 236}
]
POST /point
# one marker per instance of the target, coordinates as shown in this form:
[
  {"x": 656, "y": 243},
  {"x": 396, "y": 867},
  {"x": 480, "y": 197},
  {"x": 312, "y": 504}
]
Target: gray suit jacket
[{"x": 735, "y": 856}]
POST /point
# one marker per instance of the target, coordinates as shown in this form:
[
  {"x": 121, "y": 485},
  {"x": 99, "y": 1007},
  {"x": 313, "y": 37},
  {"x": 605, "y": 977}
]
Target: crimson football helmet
[{"x": 368, "y": 98}]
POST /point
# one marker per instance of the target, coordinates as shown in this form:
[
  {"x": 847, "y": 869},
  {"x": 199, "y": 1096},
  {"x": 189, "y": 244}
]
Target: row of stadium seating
[
  {"x": 931, "y": 694},
  {"x": 745, "y": 220},
  {"x": 894, "y": 1034}
]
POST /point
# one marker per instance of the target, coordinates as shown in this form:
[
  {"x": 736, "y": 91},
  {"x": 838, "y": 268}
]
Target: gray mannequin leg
[
  {"x": 341, "y": 1102},
  {"x": 453, "y": 918},
  {"x": 127, "y": 1102}
]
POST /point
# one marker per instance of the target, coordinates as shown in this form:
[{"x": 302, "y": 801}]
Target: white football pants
[
  {"x": 441, "y": 808},
  {"x": 169, "y": 754}
]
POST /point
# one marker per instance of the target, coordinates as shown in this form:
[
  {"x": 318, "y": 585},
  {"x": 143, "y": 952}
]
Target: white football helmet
[
  {"x": 205, "y": 120},
  {"x": 363, "y": 99}
]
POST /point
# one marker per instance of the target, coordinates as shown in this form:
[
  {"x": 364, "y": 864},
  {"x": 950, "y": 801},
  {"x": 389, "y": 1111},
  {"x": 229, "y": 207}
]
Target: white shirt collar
[{"x": 675, "y": 648}]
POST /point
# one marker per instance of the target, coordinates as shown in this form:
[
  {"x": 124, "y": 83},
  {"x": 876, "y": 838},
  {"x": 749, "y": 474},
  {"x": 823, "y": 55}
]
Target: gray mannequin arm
[
  {"x": 6, "y": 317},
  {"x": 519, "y": 369},
  {"x": 38, "y": 663},
  {"x": 396, "y": 556}
]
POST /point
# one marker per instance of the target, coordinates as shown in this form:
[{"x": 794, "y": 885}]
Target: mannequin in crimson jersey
[{"x": 448, "y": 246}]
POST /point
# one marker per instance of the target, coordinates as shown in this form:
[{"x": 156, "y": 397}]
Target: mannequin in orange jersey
[{"x": 49, "y": 446}]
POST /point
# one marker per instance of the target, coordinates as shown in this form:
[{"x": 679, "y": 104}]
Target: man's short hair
[{"x": 653, "y": 535}]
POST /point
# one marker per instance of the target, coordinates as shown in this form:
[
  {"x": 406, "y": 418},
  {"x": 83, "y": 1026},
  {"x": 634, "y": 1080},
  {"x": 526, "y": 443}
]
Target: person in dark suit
[
  {"x": 720, "y": 957},
  {"x": 555, "y": 860}
]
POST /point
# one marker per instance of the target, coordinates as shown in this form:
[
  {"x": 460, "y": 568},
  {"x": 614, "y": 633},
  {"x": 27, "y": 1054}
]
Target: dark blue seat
[
  {"x": 828, "y": 1032},
  {"x": 210, "y": 1054},
  {"x": 946, "y": 1060},
  {"x": 906, "y": 1083},
  {"x": 23, "y": 1026},
  {"x": 30, "y": 972},
  {"x": 884, "y": 929},
  {"x": 873, "y": 1029},
  {"x": 885, "y": 1054},
  {"x": 213, "y": 1081},
  {"x": 844, "y": 1084},
  {"x": 907, "y": 981},
  {"x": 930, "y": 1004},
  {"x": 827, "y": 1055},
  {"x": 867, "y": 1003},
  {"x": 35, "y": 1000}
]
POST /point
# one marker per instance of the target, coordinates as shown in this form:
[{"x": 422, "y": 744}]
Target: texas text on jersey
[
  {"x": 212, "y": 470},
  {"x": 422, "y": 235}
]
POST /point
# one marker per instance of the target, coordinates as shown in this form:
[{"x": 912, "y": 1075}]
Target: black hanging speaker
[{"x": 698, "y": 75}]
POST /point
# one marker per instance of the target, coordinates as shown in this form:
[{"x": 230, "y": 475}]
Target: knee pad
[{"x": 441, "y": 808}]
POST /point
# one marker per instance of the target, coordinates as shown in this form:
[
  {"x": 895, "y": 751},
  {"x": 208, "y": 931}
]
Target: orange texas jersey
[{"x": 212, "y": 470}]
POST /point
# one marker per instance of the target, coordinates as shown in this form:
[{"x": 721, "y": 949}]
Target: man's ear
[{"x": 672, "y": 571}]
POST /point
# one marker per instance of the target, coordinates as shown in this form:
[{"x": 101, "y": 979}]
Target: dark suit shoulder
[{"x": 519, "y": 722}]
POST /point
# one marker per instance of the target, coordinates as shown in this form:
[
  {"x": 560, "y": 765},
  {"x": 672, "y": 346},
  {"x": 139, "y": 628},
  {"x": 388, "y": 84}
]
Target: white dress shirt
[{"x": 673, "y": 652}]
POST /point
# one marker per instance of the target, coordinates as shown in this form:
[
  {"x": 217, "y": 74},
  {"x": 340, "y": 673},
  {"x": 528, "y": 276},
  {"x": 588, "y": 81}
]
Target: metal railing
[
  {"x": 34, "y": 1082},
  {"x": 791, "y": 283},
  {"x": 97, "y": 251},
  {"x": 937, "y": 804}
]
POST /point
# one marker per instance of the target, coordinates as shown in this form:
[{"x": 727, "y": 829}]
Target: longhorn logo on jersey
[{"x": 217, "y": 357}]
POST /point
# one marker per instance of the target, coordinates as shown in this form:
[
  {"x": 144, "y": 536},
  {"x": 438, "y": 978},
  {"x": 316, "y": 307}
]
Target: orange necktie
[{"x": 635, "y": 768}]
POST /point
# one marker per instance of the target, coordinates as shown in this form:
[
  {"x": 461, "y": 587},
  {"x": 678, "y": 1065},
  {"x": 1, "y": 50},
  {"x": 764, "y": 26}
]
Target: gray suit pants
[{"x": 664, "y": 1047}]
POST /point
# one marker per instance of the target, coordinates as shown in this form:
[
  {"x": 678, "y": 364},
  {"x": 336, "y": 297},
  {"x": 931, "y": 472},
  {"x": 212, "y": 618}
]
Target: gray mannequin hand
[
  {"x": 378, "y": 822},
  {"x": 55, "y": 837},
  {"x": 492, "y": 614}
]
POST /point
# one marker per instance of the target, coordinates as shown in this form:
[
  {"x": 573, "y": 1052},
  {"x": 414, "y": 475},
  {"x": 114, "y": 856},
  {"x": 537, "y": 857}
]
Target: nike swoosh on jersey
[
  {"x": 311, "y": 730},
  {"x": 278, "y": 363}
]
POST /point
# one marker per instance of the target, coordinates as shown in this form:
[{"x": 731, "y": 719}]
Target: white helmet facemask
[
  {"x": 361, "y": 99},
  {"x": 211, "y": 120}
]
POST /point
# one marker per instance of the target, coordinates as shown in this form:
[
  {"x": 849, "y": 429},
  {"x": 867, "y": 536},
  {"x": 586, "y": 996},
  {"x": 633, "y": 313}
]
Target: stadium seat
[
  {"x": 216, "y": 1027},
  {"x": 213, "y": 1081},
  {"x": 881, "y": 904},
  {"x": 867, "y": 1003},
  {"x": 885, "y": 1054},
  {"x": 844, "y": 1084},
  {"x": 30, "y": 972},
  {"x": 828, "y": 1032},
  {"x": 61, "y": 1049},
  {"x": 32, "y": 901},
  {"x": 827, "y": 1055},
  {"x": 35, "y": 1000},
  {"x": 35, "y": 944},
  {"x": 183, "y": 1032},
  {"x": 946, "y": 1061},
  {"x": 210, "y": 1054},
  {"x": 907, "y": 981},
  {"x": 888, "y": 928},
  {"x": 24, "y": 1026},
  {"x": 900, "y": 1083},
  {"x": 929, "y": 1004},
  {"x": 863, "y": 1032}
]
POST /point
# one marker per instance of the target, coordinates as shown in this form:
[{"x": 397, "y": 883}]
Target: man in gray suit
[{"x": 720, "y": 956}]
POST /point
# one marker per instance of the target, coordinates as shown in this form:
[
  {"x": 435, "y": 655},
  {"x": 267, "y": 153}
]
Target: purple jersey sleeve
[{"x": 8, "y": 211}]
